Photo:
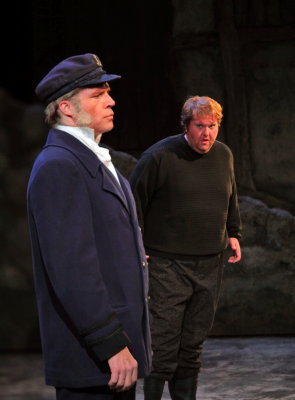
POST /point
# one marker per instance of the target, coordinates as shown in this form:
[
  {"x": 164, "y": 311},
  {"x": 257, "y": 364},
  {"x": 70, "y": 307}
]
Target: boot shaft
[
  {"x": 153, "y": 388},
  {"x": 183, "y": 389}
]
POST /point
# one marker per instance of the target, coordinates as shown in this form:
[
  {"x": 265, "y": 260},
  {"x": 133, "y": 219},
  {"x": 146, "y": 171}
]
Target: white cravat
[{"x": 86, "y": 136}]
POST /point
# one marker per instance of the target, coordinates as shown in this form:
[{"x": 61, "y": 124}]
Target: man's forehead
[
  {"x": 96, "y": 89},
  {"x": 103, "y": 86},
  {"x": 204, "y": 117}
]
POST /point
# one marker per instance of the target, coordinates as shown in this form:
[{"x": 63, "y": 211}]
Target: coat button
[{"x": 144, "y": 264}]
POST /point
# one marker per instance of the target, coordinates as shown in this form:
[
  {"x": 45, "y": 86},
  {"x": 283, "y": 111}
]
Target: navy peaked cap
[{"x": 73, "y": 72}]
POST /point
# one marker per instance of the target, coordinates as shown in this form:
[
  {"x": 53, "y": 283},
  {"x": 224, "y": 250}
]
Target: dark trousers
[
  {"x": 94, "y": 393},
  {"x": 183, "y": 301}
]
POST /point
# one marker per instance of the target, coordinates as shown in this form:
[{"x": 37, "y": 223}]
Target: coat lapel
[
  {"x": 110, "y": 184},
  {"x": 128, "y": 195},
  {"x": 89, "y": 160}
]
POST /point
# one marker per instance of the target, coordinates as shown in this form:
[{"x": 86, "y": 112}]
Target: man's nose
[
  {"x": 206, "y": 131},
  {"x": 111, "y": 101}
]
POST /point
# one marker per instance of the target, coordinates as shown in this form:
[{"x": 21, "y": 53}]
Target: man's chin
[
  {"x": 106, "y": 130},
  {"x": 203, "y": 150},
  {"x": 206, "y": 148}
]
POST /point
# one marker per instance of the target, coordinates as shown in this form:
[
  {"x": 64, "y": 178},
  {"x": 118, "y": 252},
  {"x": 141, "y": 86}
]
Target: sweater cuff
[
  {"x": 109, "y": 346},
  {"x": 235, "y": 235}
]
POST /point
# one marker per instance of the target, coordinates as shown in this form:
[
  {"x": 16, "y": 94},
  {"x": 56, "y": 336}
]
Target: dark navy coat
[{"x": 89, "y": 265}]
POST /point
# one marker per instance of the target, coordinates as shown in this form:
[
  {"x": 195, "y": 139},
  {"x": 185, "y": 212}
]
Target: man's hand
[
  {"x": 235, "y": 246},
  {"x": 123, "y": 371}
]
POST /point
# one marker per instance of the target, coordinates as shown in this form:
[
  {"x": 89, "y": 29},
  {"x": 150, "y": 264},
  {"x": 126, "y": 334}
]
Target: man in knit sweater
[{"x": 187, "y": 204}]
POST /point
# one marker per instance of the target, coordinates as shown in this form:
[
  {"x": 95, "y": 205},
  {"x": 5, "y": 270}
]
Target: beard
[{"x": 83, "y": 119}]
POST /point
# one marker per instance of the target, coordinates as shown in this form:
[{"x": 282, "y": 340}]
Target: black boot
[
  {"x": 183, "y": 388},
  {"x": 153, "y": 388}
]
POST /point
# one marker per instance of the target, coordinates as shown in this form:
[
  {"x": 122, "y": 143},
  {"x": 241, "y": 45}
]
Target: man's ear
[{"x": 66, "y": 108}]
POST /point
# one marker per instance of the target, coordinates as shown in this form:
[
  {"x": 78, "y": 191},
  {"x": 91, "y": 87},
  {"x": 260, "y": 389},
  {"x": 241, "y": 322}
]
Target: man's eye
[
  {"x": 212, "y": 126},
  {"x": 200, "y": 126},
  {"x": 100, "y": 94}
]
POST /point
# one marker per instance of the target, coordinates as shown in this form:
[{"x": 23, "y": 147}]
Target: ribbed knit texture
[{"x": 187, "y": 202}]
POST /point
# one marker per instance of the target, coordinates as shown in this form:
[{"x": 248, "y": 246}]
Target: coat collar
[
  {"x": 59, "y": 138},
  {"x": 86, "y": 156}
]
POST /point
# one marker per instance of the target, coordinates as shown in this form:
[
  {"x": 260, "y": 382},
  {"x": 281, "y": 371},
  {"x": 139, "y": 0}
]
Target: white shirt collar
[{"x": 86, "y": 136}]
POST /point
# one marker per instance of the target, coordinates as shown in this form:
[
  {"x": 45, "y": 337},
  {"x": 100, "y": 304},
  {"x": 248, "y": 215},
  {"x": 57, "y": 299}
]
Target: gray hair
[{"x": 52, "y": 113}]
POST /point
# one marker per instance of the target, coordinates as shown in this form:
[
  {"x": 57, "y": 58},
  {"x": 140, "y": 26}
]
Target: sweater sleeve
[
  {"x": 234, "y": 224},
  {"x": 143, "y": 182}
]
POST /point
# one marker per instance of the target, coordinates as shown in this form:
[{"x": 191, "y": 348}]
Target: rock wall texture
[
  {"x": 241, "y": 53},
  {"x": 258, "y": 296}
]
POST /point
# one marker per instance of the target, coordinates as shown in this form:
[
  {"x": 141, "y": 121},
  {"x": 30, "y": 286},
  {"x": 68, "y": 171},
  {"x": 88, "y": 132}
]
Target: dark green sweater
[{"x": 187, "y": 202}]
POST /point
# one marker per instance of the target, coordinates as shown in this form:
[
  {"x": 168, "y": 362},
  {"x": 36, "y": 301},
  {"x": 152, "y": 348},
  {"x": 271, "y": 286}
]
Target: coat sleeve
[{"x": 60, "y": 208}]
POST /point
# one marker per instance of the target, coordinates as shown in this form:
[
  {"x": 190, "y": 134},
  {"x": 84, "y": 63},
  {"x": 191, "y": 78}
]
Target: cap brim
[{"x": 97, "y": 81}]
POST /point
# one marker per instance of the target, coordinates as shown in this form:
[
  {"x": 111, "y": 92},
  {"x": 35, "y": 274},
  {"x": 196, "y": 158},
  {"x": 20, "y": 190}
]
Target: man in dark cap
[{"x": 88, "y": 259}]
